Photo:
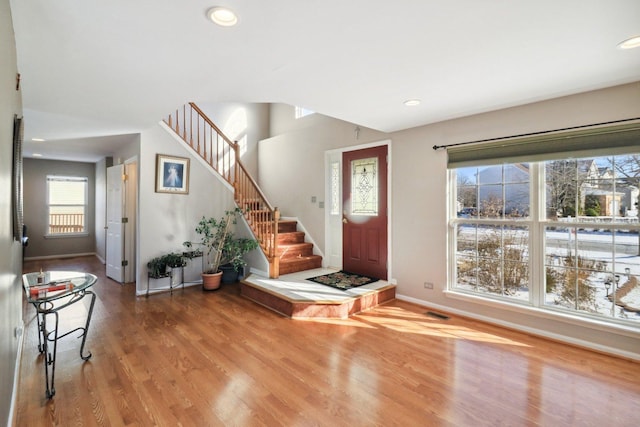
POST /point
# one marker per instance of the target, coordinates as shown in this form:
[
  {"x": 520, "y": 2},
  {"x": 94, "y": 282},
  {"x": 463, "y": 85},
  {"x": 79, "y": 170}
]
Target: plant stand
[{"x": 170, "y": 276}]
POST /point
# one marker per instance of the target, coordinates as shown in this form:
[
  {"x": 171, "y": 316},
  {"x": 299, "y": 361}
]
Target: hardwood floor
[{"x": 198, "y": 359}]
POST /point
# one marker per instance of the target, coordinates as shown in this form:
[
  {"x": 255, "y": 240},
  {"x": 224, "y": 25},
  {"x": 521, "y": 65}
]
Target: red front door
[{"x": 364, "y": 216}]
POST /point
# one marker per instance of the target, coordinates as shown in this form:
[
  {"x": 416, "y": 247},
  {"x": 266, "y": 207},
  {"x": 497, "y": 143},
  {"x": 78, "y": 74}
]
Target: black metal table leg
[
  {"x": 49, "y": 293},
  {"x": 50, "y": 338},
  {"x": 86, "y": 327},
  {"x": 50, "y": 357}
]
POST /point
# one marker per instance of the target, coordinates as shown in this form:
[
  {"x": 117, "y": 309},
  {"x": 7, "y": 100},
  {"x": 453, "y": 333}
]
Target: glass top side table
[{"x": 49, "y": 292}]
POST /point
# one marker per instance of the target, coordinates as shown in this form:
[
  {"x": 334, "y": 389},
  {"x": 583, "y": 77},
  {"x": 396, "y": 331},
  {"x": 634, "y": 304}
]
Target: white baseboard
[
  {"x": 16, "y": 375},
  {"x": 36, "y": 258},
  {"x": 538, "y": 332},
  {"x": 258, "y": 272},
  {"x": 143, "y": 292}
]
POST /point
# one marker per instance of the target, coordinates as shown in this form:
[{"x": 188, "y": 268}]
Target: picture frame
[{"x": 172, "y": 174}]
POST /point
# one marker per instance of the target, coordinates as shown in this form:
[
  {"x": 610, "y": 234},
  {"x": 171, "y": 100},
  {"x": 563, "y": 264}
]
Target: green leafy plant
[
  {"x": 234, "y": 249},
  {"x": 175, "y": 260},
  {"x": 218, "y": 243},
  {"x": 157, "y": 267}
]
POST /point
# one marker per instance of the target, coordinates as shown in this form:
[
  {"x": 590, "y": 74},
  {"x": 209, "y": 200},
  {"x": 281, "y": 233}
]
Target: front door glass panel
[{"x": 364, "y": 187}]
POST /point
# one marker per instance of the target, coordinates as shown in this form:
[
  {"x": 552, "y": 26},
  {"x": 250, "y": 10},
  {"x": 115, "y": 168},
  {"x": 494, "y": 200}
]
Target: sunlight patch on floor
[{"x": 401, "y": 320}]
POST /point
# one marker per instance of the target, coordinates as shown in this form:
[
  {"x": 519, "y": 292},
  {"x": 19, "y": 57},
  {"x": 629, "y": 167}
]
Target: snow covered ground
[{"x": 593, "y": 245}]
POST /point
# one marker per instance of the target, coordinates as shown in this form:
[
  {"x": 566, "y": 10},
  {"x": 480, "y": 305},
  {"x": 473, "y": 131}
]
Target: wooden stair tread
[{"x": 294, "y": 253}]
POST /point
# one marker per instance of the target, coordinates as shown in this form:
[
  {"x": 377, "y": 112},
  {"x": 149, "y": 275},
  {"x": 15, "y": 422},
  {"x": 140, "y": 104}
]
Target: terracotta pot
[{"x": 211, "y": 282}]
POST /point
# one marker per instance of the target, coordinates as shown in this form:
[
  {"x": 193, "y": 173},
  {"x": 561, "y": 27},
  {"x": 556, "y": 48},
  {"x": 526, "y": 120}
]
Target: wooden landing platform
[{"x": 293, "y": 296}]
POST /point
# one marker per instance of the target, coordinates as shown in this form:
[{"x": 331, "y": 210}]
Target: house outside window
[
  {"x": 560, "y": 234},
  {"x": 66, "y": 205}
]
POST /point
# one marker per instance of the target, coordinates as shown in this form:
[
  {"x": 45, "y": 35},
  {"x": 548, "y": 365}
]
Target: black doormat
[{"x": 342, "y": 280}]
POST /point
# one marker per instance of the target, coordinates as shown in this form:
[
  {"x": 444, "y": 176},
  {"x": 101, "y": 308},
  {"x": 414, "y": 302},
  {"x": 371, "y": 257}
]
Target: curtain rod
[{"x": 437, "y": 147}]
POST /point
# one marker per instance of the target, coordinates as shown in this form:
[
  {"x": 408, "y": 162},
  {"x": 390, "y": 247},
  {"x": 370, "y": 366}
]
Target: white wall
[
  {"x": 245, "y": 123},
  {"x": 167, "y": 220},
  {"x": 291, "y": 171},
  {"x": 11, "y": 251},
  {"x": 127, "y": 151}
]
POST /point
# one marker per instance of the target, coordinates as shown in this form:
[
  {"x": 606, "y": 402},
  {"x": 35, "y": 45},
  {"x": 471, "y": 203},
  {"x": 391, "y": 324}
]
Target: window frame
[
  {"x": 59, "y": 178},
  {"x": 537, "y": 224}
]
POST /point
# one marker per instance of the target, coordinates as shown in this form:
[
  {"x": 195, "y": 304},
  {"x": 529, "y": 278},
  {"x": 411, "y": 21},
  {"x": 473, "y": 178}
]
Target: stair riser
[
  {"x": 295, "y": 251},
  {"x": 287, "y": 226},
  {"x": 289, "y": 238},
  {"x": 295, "y": 265}
]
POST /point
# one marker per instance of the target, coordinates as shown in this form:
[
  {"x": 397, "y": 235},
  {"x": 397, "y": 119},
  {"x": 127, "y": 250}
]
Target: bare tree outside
[
  {"x": 627, "y": 171},
  {"x": 467, "y": 191}
]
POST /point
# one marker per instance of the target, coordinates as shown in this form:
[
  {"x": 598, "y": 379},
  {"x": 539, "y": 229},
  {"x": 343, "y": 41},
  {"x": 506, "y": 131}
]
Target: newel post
[{"x": 274, "y": 260}]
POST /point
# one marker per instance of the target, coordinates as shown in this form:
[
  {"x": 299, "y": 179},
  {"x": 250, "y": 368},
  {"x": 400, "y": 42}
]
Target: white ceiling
[{"x": 95, "y": 68}]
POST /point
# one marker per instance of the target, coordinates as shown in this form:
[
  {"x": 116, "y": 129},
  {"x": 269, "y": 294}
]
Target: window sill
[
  {"x": 550, "y": 314},
  {"x": 65, "y": 236}
]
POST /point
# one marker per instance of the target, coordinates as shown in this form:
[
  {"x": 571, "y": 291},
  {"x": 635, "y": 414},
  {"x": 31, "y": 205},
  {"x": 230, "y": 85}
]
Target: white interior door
[
  {"x": 130, "y": 209},
  {"x": 115, "y": 236}
]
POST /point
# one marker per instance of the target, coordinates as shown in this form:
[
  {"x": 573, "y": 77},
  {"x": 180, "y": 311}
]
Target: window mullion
[{"x": 537, "y": 274}]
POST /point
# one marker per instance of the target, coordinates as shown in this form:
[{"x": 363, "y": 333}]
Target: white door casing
[{"x": 115, "y": 236}]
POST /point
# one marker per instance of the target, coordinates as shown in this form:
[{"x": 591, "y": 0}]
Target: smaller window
[
  {"x": 66, "y": 205},
  {"x": 335, "y": 188},
  {"x": 301, "y": 112}
]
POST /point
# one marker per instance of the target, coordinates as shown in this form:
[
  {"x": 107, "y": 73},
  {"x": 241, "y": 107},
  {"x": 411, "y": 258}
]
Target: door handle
[{"x": 345, "y": 221}]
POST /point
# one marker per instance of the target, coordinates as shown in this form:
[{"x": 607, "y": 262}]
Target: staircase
[
  {"x": 293, "y": 252},
  {"x": 282, "y": 243}
]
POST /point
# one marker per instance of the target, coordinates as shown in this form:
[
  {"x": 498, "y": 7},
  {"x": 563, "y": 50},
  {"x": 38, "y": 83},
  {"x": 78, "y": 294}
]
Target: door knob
[{"x": 345, "y": 221}]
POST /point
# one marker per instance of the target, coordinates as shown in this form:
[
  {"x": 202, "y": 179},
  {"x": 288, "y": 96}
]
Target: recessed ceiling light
[
  {"x": 222, "y": 16},
  {"x": 412, "y": 102},
  {"x": 630, "y": 43},
  {"x": 38, "y": 139},
  {"x": 37, "y": 155}
]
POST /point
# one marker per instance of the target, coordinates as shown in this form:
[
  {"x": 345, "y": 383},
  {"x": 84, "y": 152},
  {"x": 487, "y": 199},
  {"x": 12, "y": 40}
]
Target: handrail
[{"x": 223, "y": 155}]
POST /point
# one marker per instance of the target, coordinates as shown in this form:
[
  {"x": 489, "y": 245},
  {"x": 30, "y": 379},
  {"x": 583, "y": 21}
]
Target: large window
[
  {"x": 66, "y": 205},
  {"x": 559, "y": 234}
]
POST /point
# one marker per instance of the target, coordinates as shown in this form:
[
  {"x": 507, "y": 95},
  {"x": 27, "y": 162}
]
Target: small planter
[
  {"x": 229, "y": 274},
  {"x": 211, "y": 282}
]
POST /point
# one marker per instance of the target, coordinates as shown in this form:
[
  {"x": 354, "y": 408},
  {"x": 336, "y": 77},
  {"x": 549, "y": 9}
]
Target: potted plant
[
  {"x": 215, "y": 236},
  {"x": 174, "y": 261},
  {"x": 157, "y": 267},
  {"x": 232, "y": 261}
]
